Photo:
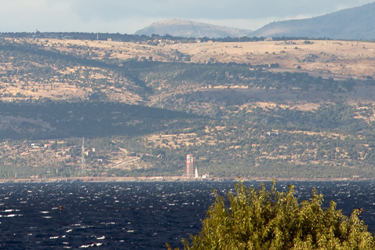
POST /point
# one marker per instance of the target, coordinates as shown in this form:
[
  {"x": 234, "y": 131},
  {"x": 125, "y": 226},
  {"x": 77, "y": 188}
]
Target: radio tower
[{"x": 83, "y": 166}]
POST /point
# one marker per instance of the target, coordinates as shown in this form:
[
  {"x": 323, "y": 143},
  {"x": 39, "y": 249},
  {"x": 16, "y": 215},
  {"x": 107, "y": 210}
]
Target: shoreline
[{"x": 165, "y": 179}]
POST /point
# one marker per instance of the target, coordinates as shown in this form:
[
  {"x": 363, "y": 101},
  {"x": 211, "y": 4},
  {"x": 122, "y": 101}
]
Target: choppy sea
[{"x": 134, "y": 215}]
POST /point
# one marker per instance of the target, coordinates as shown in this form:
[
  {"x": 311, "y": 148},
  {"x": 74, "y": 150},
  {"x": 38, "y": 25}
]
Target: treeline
[
  {"x": 140, "y": 38},
  {"x": 48, "y": 119},
  {"x": 336, "y": 118},
  {"x": 216, "y": 74}
]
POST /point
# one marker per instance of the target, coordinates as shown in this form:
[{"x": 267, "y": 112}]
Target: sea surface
[{"x": 134, "y": 215}]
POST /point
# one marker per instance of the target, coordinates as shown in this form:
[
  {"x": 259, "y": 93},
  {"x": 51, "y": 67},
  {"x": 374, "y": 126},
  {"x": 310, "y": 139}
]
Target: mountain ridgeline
[
  {"x": 353, "y": 24},
  {"x": 183, "y": 28}
]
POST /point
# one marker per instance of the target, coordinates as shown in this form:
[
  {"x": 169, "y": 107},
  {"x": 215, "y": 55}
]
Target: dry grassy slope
[
  {"x": 338, "y": 59},
  {"x": 341, "y": 58}
]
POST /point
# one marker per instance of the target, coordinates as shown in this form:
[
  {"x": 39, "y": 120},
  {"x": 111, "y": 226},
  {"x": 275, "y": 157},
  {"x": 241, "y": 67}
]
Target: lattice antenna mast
[{"x": 83, "y": 165}]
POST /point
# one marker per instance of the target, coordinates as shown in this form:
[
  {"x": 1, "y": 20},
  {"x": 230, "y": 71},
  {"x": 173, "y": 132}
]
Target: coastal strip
[{"x": 164, "y": 179}]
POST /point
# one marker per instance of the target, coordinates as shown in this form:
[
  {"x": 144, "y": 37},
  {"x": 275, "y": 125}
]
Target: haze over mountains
[
  {"x": 177, "y": 27},
  {"x": 352, "y": 23}
]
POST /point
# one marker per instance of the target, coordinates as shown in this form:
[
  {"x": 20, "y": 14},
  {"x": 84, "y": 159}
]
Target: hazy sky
[{"x": 128, "y": 16}]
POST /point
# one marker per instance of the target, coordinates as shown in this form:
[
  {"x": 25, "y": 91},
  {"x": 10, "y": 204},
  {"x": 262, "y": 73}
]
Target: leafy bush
[{"x": 261, "y": 219}]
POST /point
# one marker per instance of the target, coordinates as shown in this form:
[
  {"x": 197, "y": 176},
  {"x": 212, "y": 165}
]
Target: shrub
[{"x": 261, "y": 219}]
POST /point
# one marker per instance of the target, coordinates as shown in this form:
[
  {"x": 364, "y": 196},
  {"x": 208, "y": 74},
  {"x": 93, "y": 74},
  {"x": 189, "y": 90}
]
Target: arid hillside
[
  {"x": 336, "y": 59},
  {"x": 301, "y": 109}
]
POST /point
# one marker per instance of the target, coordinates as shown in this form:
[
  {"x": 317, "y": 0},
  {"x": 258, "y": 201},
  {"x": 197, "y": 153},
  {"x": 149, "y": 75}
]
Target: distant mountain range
[
  {"x": 352, "y": 23},
  {"x": 183, "y": 28}
]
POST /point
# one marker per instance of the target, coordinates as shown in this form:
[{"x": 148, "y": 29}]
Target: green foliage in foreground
[{"x": 262, "y": 219}]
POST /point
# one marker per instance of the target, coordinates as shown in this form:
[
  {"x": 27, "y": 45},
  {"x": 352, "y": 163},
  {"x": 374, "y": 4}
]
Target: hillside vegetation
[{"x": 285, "y": 109}]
